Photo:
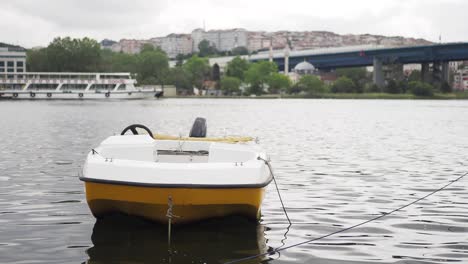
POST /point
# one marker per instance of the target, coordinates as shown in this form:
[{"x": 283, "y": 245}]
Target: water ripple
[{"x": 338, "y": 163}]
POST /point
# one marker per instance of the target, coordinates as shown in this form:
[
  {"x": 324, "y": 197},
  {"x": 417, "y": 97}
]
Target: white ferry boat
[{"x": 67, "y": 85}]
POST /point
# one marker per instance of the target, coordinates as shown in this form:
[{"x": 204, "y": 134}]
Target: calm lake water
[{"x": 338, "y": 163}]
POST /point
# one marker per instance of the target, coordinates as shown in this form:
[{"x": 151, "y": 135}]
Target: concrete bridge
[{"x": 438, "y": 56}]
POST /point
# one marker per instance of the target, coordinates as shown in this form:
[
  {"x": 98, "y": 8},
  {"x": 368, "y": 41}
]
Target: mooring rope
[
  {"x": 277, "y": 189},
  {"x": 276, "y": 250}
]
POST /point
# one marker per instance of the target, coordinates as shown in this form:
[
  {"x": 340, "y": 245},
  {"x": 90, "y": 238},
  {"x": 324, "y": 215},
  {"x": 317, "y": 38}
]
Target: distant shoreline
[
  {"x": 343, "y": 96},
  {"x": 368, "y": 96}
]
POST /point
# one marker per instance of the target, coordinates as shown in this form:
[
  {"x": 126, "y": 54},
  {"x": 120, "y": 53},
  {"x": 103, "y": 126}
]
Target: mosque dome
[{"x": 304, "y": 67}]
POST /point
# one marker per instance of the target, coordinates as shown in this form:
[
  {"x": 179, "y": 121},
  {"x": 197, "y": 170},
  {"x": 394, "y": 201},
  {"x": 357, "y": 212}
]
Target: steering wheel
[{"x": 135, "y": 132}]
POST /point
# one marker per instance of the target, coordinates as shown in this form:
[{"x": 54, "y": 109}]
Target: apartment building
[{"x": 12, "y": 58}]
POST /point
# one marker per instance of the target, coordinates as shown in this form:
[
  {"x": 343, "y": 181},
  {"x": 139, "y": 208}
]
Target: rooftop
[{"x": 11, "y": 47}]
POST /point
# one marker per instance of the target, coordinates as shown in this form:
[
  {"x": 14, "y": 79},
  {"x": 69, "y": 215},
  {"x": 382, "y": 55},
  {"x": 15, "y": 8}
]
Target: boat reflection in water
[{"x": 126, "y": 239}]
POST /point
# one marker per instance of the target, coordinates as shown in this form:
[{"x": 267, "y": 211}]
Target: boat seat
[
  {"x": 229, "y": 153},
  {"x": 130, "y": 147}
]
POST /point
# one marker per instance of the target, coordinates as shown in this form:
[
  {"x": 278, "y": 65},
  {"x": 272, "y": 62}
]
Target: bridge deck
[{"x": 365, "y": 57}]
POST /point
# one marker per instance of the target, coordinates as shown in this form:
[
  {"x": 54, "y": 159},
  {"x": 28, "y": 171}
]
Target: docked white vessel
[{"x": 66, "y": 85}]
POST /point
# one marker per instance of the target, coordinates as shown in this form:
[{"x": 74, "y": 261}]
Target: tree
[
  {"x": 79, "y": 55},
  {"x": 358, "y": 75},
  {"x": 147, "y": 48},
  {"x": 420, "y": 88},
  {"x": 67, "y": 54},
  {"x": 206, "y": 48},
  {"x": 294, "y": 89},
  {"x": 179, "y": 59},
  {"x": 393, "y": 87},
  {"x": 153, "y": 66},
  {"x": 239, "y": 51},
  {"x": 371, "y": 88},
  {"x": 118, "y": 62},
  {"x": 403, "y": 85},
  {"x": 230, "y": 85},
  {"x": 343, "y": 85},
  {"x": 215, "y": 73},
  {"x": 37, "y": 60},
  {"x": 415, "y": 75},
  {"x": 258, "y": 74},
  {"x": 278, "y": 82},
  {"x": 311, "y": 84},
  {"x": 445, "y": 87},
  {"x": 181, "y": 79},
  {"x": 198, "y": 69},
  {"x": 237, "y": 67}
]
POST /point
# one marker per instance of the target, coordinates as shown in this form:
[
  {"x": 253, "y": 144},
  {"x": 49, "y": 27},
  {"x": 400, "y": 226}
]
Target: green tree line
[{"x": 263, "y": 77}]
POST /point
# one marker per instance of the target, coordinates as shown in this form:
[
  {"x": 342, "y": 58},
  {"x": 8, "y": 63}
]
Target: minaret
[
  {"x": 271, "y": 49},
  {"x": 286, "y": 60}
]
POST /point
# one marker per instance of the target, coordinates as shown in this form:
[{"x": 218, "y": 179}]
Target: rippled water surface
[{"x": 338, "y": 163}]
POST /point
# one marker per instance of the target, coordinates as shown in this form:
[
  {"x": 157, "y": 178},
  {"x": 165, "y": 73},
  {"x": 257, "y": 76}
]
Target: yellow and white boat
[{"x": 188, "y": 179}]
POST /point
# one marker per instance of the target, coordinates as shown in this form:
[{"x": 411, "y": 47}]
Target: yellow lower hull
[{"x": 189, "y": 204}]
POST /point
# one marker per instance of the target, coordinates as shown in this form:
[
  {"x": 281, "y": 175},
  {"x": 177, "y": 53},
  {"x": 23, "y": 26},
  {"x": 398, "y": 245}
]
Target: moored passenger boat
[{"x": 62, "y": 85}]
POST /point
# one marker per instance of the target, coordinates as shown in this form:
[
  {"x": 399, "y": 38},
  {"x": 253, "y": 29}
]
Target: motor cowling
[{"x": 198, "y": 128}]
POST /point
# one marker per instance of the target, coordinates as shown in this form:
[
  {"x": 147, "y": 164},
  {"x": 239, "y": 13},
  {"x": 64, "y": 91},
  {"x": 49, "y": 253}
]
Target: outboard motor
[{"x": 198, "y": 128}]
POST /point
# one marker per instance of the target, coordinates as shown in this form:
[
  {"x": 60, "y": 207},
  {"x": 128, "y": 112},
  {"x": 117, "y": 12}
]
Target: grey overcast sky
[{"x": 36, "y": 22}]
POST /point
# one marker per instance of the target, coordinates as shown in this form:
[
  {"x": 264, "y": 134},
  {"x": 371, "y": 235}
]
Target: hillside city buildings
[
  {"x": 262, "y": 41},
  {"x": 254, "y": 41},
  {"x": 174, "y": 44}
]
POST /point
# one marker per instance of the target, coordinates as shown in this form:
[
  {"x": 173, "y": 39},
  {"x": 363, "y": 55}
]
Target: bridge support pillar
[
  {"x": 440, "y": 72},
  {"x": 425, "y": 72},
  {"x": 445, "y": 72},
  {"x": 436, "y": 72},
  {"x": 286, "y": 64},
  {"x": 378, "y": 76}
]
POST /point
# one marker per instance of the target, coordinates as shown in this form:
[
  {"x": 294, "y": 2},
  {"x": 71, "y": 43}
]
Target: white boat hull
[
  {"x": 51, "y": 95},
  {"x": 137, "y": 175}
]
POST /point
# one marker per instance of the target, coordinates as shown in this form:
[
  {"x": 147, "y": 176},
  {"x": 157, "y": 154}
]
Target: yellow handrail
[{"x": 221, "y": 139}]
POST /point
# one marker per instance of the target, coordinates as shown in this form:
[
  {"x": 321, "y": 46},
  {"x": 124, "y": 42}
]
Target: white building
[
  {"x": 197, "y": 37},
  {"x": 258, "y": 41},
  {"x": 223, "y": 40},
  {"x": 12, "y": 59},
  {"x": 174, "y": 44},
  {"x": 131, "y": 46}
]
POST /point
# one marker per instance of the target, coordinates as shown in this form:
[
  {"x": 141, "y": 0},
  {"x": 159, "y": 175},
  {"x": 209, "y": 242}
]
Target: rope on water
[
  {"x": 277, "y": 189},
  {"x": 276, "y": 250}
]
